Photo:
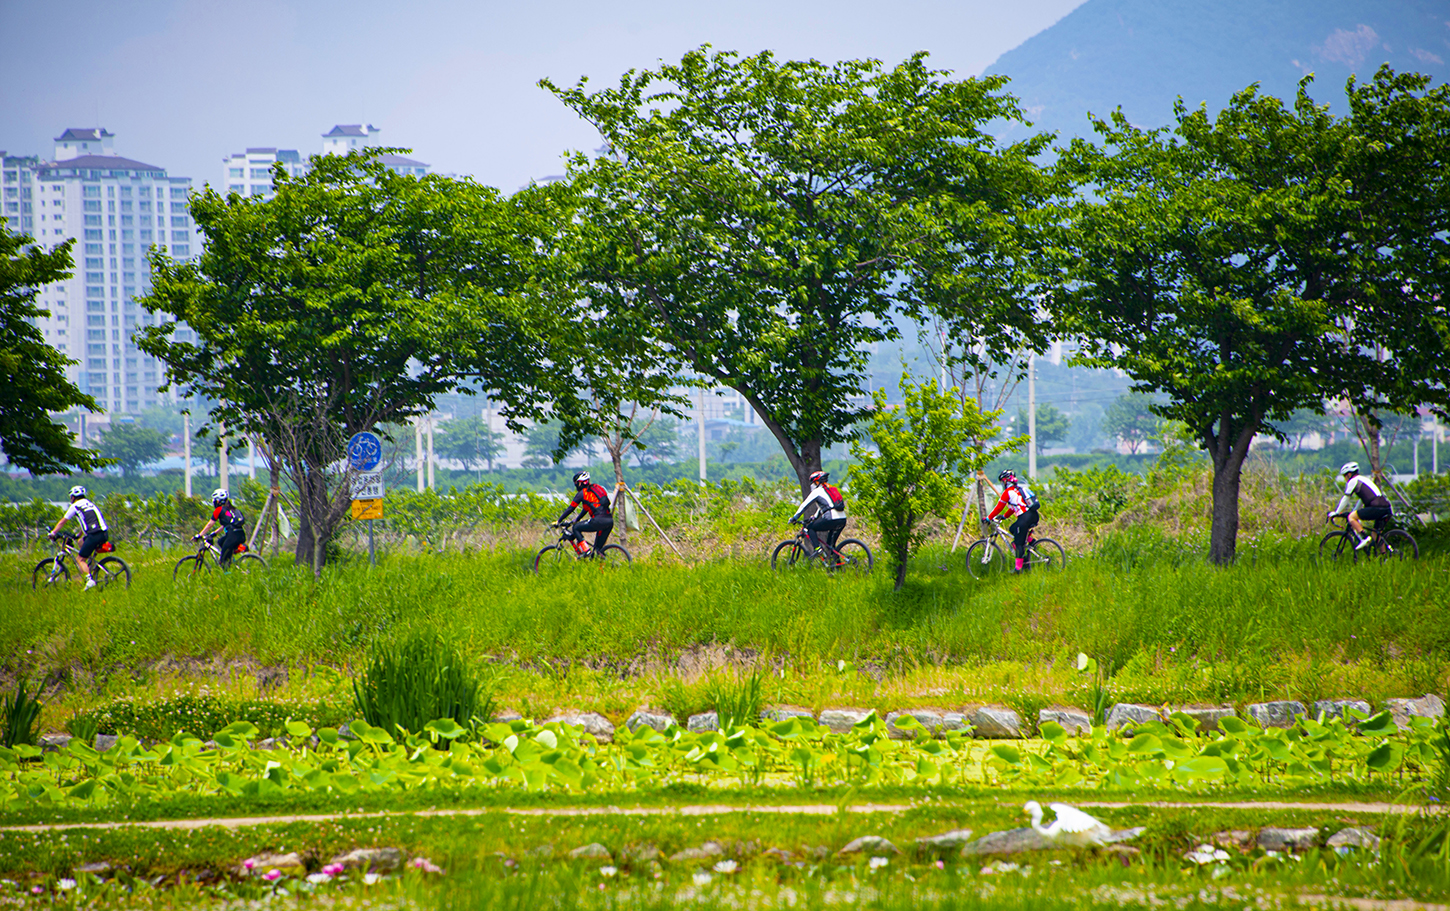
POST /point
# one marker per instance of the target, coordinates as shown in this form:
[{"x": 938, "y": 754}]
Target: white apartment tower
[
  {"x": 116, "y": 210},
  {"x": 249, "y": 173}
]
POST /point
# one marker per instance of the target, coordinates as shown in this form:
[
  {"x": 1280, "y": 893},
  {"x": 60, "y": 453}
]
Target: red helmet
[{"x": 820, "y": 477}]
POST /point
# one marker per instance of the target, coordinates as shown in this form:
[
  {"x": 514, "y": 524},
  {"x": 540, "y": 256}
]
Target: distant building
[
  {"x": 349, "y": 137},
  {"x": 249, "y": 173},
  {"x": 116, "y": 209}
]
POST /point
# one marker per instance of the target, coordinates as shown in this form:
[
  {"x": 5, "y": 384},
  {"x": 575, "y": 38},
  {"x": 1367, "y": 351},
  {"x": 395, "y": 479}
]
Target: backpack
[
  {"x": 838, "y": 502},
  {"x": 232, "y": 518},
  {"x": 1027, "y": 495}
]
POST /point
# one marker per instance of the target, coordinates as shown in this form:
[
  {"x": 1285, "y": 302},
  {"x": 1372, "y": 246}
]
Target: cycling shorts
[{"x": 92, "y": 541}]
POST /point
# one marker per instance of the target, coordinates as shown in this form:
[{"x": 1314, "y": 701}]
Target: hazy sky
[{"x": 183, "y": 83}]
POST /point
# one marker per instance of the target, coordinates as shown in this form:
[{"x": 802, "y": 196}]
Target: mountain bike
[
  {"x": 987, "y": 558},
  {"x": 105, "y": 570},
  {"x": 1340, "y": 544},
  {"x": 848, "y": 554},
  {"x": 571, "y": 548},
  {"x": 197, "y": 565}
]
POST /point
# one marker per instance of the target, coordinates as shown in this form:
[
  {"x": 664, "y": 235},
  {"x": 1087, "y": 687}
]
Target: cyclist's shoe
[
  {"x": 90, "y": 584},
  {"x": 1364, "y": 542}
]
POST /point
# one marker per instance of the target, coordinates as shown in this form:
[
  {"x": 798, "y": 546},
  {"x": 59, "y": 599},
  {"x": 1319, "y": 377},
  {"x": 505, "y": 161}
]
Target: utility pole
[
  {"x": 1032, "y": 416},
  {"x": 221, "y": 448},
  {"x": 702, "y": 435},
  {"x": 185, "y": 450},
  {"x": 418, "y": 450},
  {"x": 431, "y": 484}
]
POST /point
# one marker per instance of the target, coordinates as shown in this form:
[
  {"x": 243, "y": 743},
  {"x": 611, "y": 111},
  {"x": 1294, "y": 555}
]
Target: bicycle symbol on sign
[{"x": 364, "y": 451}]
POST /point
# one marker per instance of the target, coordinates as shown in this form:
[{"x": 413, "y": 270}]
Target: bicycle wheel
[
  {"x": 1045, "y": 553},
  {"x": 1399, "y": 545},
  {"x": 855, "y": 556},
  {"x": 552, "y": 559},
  {"x": 612, "y": 555},
  {"x": 1337, "y": 546},
  {"x": 189, "y": 569},
  {"x": 789, "y": 555},
  {"x": 984, "y": 559},
  {"x": 247, "y": 564},
  {"x": 111, "y": 571},
  {"x": 49, "y": 573}
]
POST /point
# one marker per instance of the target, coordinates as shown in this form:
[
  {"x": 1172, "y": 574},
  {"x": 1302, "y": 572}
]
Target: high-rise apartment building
[
  {"x": 116, "y": 209},
  {"x": 250, "y": 173}
]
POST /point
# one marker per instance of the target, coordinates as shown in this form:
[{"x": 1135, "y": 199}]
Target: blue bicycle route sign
[{"x": 364, "y": 451}]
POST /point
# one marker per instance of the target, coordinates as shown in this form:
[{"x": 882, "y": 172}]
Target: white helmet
[
  {"x": 77, "y": 492},
  {"x": 1349, "y": 468},
  {"x": 219, "y": 496}
]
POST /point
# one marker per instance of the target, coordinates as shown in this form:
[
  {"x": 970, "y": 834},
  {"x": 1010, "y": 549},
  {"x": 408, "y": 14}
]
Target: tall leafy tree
[
  {"x": 1130, "y": 420},
  {"x": 1052, "y": 425},
  {"x": 764, "y": 220},
  {"x": 350, "y": 300},
  {"x": 32, "y": 370},
  {"x": 469, "y": 441},
  {"x": 131, "y": 446},
  {"x": 1220, "y": 262}
]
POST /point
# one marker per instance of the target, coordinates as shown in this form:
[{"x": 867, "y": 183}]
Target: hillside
[{"x": 1142, "y": 54}]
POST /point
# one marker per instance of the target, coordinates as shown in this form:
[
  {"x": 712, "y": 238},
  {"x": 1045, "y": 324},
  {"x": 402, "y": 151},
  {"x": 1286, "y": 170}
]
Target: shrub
[
  {"x": 201, "y": 715},
  {"x": 21, "y": 716},
  {"x": 422, "y": 680}
]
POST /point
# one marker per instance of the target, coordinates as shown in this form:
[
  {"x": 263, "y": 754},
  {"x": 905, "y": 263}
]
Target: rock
[
  {"x": 1008, "y": 842},
  {"x": 593, "y": 724},
  {"x": 954, "y": 721},
  {"x": 842, "y": 720},
  {"x": 371, "y": 860},
  {"x": 1277, "y": 714},
  {"x": 1074, "y": 721},
  {"x": 1339, "y": 708},
  {"x": 100, "y": 868},
  {"x": 344, "y": 732},
  {"x": 507, "y": 715},
  {"x": 820, "y": 852},
  {"x": 704, "y": 721},
  {"x": 260, "y": 864},
  {"x": 49, "y": 743},
  {"x": 208, "y": 745},
  {"x": 642, "y": 854},
  {"x": 1234, "y": 838},
  {"x": 105, "y": 741},
  {"x": 706, "y": 851},
  {"x": 787, "y": 712},
  {"x": 1354, "y": 837},
  {"x": 947, "y": 841},
  {"x": 1426, "y": 706},
  {"x": 1273, "y": 839},
  {"x": 931, "y": 719},
  {"x": 871, "y": 846},
  {"x": 542, "y": 851},
  {"x": 1126, "y": 716},
  {"x": 269, "y": 743},
  {"x": 779, "y": 856},
  {"x": 1206, "y": 716},
  {"x": 995, "y": 722},
  {"x": 660, "y": 721},
  {"x": 592, "y": 851}
]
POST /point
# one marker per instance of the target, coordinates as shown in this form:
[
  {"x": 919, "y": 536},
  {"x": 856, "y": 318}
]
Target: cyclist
[
  {"x": 225, "y": 514},
  {"x": 93, "y": 526},
  {"x": 593, "y": 499},
  {"x": 1375, "y": 506},
  {"x": 1018, "y": 500},
  {"x": 830, "y": 514}
]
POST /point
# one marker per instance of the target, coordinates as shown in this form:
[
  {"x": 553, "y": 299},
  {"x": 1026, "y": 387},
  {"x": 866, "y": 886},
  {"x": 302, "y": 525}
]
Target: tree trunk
[
  {"x": 900, "y": 570},
  {"x": 1228, "y": 454},
  {"x": 314, "y": 530}
]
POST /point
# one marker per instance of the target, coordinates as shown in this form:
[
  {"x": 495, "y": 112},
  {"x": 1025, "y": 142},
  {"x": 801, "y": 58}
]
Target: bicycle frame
[{"x": 803, "y": 536}]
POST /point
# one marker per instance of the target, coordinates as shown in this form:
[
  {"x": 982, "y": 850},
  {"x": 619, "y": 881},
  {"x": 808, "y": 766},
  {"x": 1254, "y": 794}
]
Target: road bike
[
  {"x": 106, "y": 571},
  {"x": 197, "y": 565},
  {"x": 1340, "y": 545},
  {"x": 987, "y": 558},
  {"x": 848, "y": 554},
  {"x": 573, "y": 548}
]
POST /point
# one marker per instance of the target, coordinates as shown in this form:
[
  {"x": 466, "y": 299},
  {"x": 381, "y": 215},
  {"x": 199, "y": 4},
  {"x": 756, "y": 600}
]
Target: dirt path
[{"x": 691, "y": 810}]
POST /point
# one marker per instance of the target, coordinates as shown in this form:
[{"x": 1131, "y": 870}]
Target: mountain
[{"x": 1143, "y": 54}]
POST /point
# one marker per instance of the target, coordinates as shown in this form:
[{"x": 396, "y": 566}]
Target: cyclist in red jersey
[
  {"x": 1018, "y": 500},
  {"x": 593, "y": 500}
]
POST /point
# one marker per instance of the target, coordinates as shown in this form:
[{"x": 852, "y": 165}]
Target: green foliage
[
  {"x": 924, "y": 452},
  {"x": 738, "y": 702},
  {"x": 422, "y": 679},
  {"x": 1130, "y": 420},
  {"x": 1052, "y": 425},
  {"x": 198, "y": 714},
  {"x": 19, "y": 716},
  {"x": 131, "y": 446},
  {"x": 470, "y": 441},
  {"x": 32, "y": 371}
]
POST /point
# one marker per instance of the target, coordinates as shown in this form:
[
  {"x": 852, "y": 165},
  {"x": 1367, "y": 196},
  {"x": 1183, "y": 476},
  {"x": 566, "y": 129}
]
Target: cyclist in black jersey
[
  {"x": 93, "y": 527},
  {"x": 1376, "y": 506},
  {"x": 593, "y": 500},
  {"x": 225, "y": 514}
]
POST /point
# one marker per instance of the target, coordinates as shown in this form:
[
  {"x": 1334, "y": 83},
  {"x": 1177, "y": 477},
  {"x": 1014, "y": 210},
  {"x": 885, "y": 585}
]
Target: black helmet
[
  {"x": 581, "y": 478},
  {"x": 1006, "y": 473}
]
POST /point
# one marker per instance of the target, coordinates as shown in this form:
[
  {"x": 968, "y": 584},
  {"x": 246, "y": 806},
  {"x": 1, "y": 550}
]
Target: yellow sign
[{"x": 367, "y": 509}]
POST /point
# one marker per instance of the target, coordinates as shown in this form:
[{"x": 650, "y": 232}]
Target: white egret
[{"x": 1072, "y": 828}]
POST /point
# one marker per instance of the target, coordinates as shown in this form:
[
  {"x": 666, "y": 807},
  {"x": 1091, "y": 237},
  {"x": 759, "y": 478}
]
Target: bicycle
[
  {"x": 191, "y": 568},
  {"x": 1340, "y": 544},
  {"x": 985, "y": 558},
  {"x": 848, "y": 554},
  {"x": 105, "y": 570},
  {"x": 553, "y": 557}
]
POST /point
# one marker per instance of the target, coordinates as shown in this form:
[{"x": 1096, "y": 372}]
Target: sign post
[{"x": 364, "y": 455}]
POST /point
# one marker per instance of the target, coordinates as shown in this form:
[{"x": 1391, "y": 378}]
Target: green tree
[
  {"x": 1221, "y": 262},
  {"x": 764, "y": 220},
  {"x": 545, "y": 446},
  {"x": 351, "y": 300},
  {"x": 1052, "y": 425},
  {"x": 919, "y": 463},
  {"x": 469, "y": 441},
  {"x": 1130, "y": 419},
  {"x": 34, "y": 372},
  {"x": 131, "y": 446}
]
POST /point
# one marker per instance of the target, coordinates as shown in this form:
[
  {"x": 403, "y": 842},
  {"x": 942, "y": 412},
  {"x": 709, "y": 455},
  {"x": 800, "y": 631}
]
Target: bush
[
  {"x": 20, "y": 715},
  {"x": 422, "y": 680},
  {"x": 199, "y": 714}
]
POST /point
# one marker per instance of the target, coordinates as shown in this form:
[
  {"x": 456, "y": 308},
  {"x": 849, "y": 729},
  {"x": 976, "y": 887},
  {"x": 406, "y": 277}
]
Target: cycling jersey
[
  {"x": 89, "y": 515},
  {"x": 593, "y": 499},
  {"x": 822, "y": 499},
  {"x": 1016, "y": 499},
  {"x": 229, "y": 517},
  {"x": 1368, "y": 492}
]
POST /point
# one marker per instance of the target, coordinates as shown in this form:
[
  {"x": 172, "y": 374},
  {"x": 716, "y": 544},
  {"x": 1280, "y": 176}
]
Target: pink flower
[
  {"x": 426, "y": 865},
  {"x": 333, "y": 869},
  {"x": 941, "y": 865},
  {"x": 248, "y": 864},
  {"x": 36, "y": 890},
  {"x": 272, "y": 876}
]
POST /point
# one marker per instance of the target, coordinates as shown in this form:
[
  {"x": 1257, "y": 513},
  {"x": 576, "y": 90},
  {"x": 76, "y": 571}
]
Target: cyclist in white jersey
[
  {"x": 94, "y": 530},
  {"x": 1376, "y": 506}
]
